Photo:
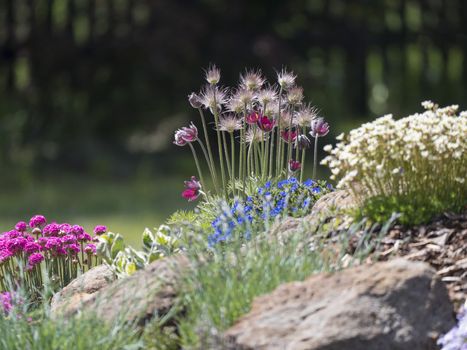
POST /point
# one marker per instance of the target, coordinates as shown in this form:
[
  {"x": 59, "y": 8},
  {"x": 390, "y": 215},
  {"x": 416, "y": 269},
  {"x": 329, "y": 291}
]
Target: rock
[
  {"x": 391, "y": 305},
  {"x": 138, "y": 298},
  {"x": 81, "y": 289},
  {"x": 334, "y": 201}
]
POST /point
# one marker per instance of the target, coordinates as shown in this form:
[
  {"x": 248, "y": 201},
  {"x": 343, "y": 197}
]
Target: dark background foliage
[{"x": 80, "y": 77}]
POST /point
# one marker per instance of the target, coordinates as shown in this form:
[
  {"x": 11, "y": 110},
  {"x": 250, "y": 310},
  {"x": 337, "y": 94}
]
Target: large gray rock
[
  {"x": 138, "y": 298},
  {"x": 82, "y": 289},
  {"x": 387, "y": 306}
]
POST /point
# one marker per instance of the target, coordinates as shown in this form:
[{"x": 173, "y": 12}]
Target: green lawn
[{"x": 126, "y": 207}]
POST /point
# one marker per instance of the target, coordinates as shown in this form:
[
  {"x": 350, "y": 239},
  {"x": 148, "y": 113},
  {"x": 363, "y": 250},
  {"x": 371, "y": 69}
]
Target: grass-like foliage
[
  {"x": 415, "y": 166},
  {"x": 22, "y": 329}
]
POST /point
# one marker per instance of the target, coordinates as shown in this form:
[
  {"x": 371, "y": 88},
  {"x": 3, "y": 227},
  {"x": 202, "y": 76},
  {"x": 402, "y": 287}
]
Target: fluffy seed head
[
  {"x": 286, "y": 79},
  {"x": 295, "y": 95},
  {"x": 252, "y": 80},
  {"x": 213, "y": 75},
  {"x": 267, "y": 96},
  {"x": 230, "y": 123}
]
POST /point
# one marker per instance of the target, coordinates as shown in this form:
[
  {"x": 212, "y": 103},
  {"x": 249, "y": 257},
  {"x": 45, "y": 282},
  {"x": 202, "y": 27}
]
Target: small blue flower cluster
[
  {"x": 456, "y": 338},
  {"x": 284, "y": 198}
]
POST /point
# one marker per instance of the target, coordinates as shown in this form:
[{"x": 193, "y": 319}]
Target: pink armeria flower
[
  {"x": 289, "y": 135},
  {"x": 77, "y": 230},
  {"x": 319, "y": 128},
  {"x": 32, "y": 247},
  {"x": 185, "y": 135},
  {"x": 90, "y": 249},
  {"x": 35, "y": 259},
  {"x": 192, "y": 189},
  {"x": 266, "y": 124},
  {"x": 37, "y": 221},
  {"x": 100, "y": 230},
  {"x": 52, "y": 229},
  {"x": 84, "y": 237},
  {"x": 294, "y": 166},
  {"x": 65, "y": 229},
  {"x": 69, "y": 239},
  {"x": 6, "y": 302},
  {"x": 73, "y": 249},
  {"x": 21, "y": 226}
]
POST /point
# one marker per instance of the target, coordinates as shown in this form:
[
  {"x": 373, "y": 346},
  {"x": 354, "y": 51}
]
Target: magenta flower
[
  {"x": 294, "y": 166},
  {"x": 32, "y": 247},
  {"x": 6, "y": 302},
  {"x": 5, "y": 254},
  {"x": 186, "y": 135},
  {"x": 90, "y": 249},
  {"x": 16, "y": 245},
  {"x": 266, "y": 124},
  {"x": 21, "y": 226},
  {"x": 100, "y": 229},
  {"x": 65, "y": 229},
  {"x": 192, "y": 189},
  {"x": 77, "y": 230},
  {"x": 252, "y": 118},
  {"x": 52, "y": 229},
  {"x": 37, "y": 221},
  {"x": 53, "y": 243},
  {"x": 73, "y": 248},
  {"x": 35, "y": 259},
  {"x": 289, "y": 135},
  {"x": 319, "y": 128},
  {"x": 69, "y": 239}
]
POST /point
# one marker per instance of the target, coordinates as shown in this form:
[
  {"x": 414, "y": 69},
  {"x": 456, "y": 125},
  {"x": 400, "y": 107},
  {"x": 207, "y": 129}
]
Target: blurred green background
[{"x": 91, "y": 90}]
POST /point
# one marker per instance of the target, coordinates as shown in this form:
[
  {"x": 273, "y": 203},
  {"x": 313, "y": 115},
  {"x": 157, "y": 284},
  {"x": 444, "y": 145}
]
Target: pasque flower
[
  {"x": 252, "y": 118},
  {"x": 289, "y": 135},
  {"x": 185, "y": 135},
  {"x": 213, "y": 75},
  {"x": 265, "y": 124},
  {"x": 192, "y": 189},
  {"x": 195, "y": 100},
  {"x": 319, "y": 128},
  {"x": 294, "y": 165}
]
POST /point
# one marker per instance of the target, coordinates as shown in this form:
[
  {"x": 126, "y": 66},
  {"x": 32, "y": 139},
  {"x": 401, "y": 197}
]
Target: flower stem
[
  {"x": 208, "y": 145},
  {"x": 315, "y": 158},
  {"x": 232, "y": 149},
  {"x": 197, "y": 164}
]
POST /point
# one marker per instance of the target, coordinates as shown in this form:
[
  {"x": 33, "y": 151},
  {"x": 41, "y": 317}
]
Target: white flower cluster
[{"x": 422, "y": 153}]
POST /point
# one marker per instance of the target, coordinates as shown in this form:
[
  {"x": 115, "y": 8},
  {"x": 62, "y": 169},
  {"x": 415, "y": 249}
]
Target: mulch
[{"x": 442, "y": 243}]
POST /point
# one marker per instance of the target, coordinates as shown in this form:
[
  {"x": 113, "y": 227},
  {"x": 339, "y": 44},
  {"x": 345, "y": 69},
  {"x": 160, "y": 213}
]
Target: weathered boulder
[
  {"x": 334, "y": 201},
  {"x": 147, "y": 293},
  {"x": 81, "y": 289},
  {"x": 392, "y": 305}
]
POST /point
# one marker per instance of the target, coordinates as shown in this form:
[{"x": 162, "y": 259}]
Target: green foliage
[
  {"x": 38, "y": 331},
  {"x": 125, "y": 260}
]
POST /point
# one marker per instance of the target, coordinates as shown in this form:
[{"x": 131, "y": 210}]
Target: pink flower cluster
[
  {"x": 6, "y": 302},
  {"x": 44, "y": 241}
]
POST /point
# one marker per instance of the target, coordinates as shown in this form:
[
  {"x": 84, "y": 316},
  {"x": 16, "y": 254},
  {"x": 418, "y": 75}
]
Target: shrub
[
  {"x": 415, "y": 166},
  {"x": 29, "y": 254}
]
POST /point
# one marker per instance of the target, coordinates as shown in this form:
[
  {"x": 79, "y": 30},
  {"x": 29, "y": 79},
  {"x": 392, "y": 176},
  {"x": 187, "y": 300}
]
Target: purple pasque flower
[
  {"x": 319, "y": 128},
  {"x": 35, "y": 259},
  {"x": 21, "y": 226},
  {"x": 265, "y": 124},
  {"x": 186, "y": 135},
  {"x": 192, "y": 189},
  {"x": 289, "y": 135},
  {"x": 294, "y": 165},
  {"x": 303, "y": 142},
  {"x": 6, "y": 302},
  {"x": 195, "y": 100},
  {"x": 90, "y": 249},
  {"x": 37, "y": 221},
  {"x": 100, "y": 230},
  {"x": 252, "y": 118}
]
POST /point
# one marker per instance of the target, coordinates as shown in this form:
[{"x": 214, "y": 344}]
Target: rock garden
[{"x": 375, "y": 257}]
